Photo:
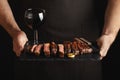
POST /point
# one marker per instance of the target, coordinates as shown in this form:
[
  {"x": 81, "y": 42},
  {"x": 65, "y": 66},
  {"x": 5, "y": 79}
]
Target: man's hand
[
  {"x": 104, "y": 42},
  {"x": 19, "y": 41}
]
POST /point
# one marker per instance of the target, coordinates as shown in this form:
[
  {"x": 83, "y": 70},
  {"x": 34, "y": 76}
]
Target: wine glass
[{"x": 34, "y": 17}]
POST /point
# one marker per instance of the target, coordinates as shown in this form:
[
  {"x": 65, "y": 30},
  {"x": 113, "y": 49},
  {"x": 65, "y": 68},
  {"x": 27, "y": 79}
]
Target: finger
[
  {"x": 61, "y": 50},
  {"x": 18, "y": 54},
  {"x": 47, "y": 49},
  {"x": 104, "y": 47},
  {"x": 103, "y": 51},
  {"x": 101, "y": 57},
  {"x": 37, "y": 49},
  {"x": 17, "y": 50}
]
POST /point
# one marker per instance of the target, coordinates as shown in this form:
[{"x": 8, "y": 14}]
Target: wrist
[
  {"x": 110, "y": 37},
  {"x": 110, "y": 31},
  {"x": 16, "y": 33}
]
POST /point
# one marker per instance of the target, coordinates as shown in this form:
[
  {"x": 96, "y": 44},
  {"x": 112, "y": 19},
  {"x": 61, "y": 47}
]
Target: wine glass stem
[{"x": 35, "y": 37}]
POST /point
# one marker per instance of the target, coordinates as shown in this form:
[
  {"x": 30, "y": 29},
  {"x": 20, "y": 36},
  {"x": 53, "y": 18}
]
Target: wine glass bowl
[
  {"x": 29, "y": 18},
  {"x": 34, "y": 17},
  {"x": 38, "y": 17}
]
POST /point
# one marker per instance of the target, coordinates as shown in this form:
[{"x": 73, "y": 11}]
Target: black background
[{"x": 110, "y": 63}]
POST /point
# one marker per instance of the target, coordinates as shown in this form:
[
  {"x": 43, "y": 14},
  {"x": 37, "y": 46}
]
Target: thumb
[{"x": 103, "y": 50}]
